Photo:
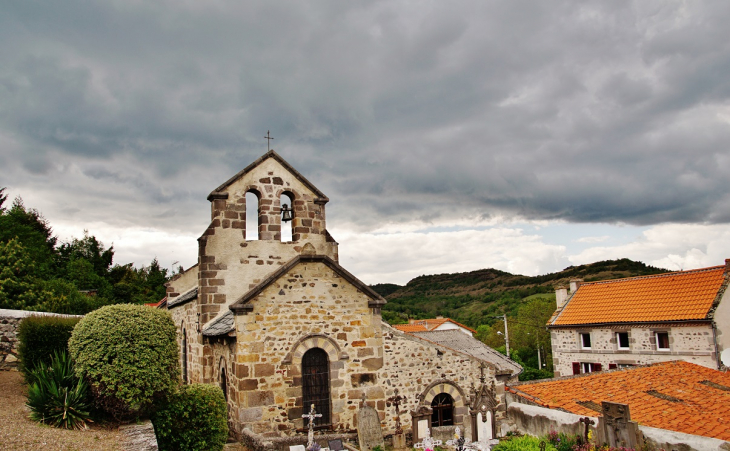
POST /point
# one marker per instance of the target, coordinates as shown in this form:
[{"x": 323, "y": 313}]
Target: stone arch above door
[
  {"x": 443, "y": 386},
  {"x": 304, "y": 344}
]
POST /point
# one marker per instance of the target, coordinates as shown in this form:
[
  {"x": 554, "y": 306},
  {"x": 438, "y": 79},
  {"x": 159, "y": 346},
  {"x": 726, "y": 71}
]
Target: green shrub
[
  {"x": 195, "y": 418},
  {"x": 58, "y": 397},
  {"x": 39, "y": 337},
  {"x": 525, "y": 443},
  {"x": 129, "y": 356}
]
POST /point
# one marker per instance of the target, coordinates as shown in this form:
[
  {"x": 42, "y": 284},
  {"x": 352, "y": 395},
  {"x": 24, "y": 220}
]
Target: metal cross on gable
[{"x": 268, "y": 140}]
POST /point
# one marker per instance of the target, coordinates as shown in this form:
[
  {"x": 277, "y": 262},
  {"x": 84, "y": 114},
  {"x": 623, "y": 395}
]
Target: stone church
[{"x": 280, "y": 325}]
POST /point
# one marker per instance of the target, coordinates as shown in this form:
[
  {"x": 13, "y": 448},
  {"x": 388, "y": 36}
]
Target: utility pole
[{"x": 506, "y": 333}]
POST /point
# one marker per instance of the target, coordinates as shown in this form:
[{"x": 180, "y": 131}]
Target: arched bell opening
[
  {"x": 286, "y": 201},
  {"x": 253, "y": 214}
]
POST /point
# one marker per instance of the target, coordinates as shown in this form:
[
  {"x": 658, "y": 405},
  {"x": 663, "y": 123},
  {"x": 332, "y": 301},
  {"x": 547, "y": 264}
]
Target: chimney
[
  {"x": 727, "y": 266},
  {"x": 561, "y": 295},
  {"x": 574, "y": 284}
]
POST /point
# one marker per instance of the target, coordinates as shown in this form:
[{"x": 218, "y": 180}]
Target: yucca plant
[{"x": 56, "y": 396}]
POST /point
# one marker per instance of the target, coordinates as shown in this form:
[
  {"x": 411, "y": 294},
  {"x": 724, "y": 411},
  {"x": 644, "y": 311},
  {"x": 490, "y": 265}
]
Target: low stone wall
[
  {"x": 258, "y": 442},
  {"x": 9, "y": 320},
  {"x": 538, "y": 421}
]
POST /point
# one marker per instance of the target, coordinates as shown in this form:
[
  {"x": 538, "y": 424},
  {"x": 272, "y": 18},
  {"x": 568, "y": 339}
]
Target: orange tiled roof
[
  {"x": 684, "y": 295},
  {"x": 410, "y": 327},
  {"x": 698, "y": 408},
  {"x": 424, "y": 325}
]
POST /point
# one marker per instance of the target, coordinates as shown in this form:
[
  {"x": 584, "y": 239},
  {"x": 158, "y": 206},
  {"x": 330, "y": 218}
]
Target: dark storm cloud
[{"x": 581, "y": 111}]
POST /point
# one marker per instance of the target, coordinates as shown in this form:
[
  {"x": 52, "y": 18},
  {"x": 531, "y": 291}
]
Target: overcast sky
[{"x": 450, "y": 136}]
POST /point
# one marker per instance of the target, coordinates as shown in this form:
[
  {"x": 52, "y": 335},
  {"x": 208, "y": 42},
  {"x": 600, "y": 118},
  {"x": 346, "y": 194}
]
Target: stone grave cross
[
  {"x": 396, "y": 400},
  {"x": 458, "y": 440},
  {"x": 311, "y": 415},
  {"x": 428, "y": 443}
]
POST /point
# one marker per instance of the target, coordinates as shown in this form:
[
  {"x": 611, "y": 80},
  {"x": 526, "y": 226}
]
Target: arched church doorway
[{"x": 316, "y": 384}]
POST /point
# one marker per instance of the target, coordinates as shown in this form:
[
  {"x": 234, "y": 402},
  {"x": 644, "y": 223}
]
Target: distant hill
[{"x": 474, "y": 298}]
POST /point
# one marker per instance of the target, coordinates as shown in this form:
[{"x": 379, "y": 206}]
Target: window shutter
[
  {"x": 612, "y": 366},
  {"x": 595, "y": 367},
  {"x": 576, "y": 368}
]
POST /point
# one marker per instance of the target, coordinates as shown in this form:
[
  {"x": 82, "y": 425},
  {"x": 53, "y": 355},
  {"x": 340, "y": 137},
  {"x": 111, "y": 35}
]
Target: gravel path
[{"x": 17, "y": 432}]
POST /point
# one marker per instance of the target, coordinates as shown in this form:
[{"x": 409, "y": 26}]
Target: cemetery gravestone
[
  {"x": 297, "y": 448},
  {"x": 369, "y": 433},
  {"x": 618, "y": 428}
]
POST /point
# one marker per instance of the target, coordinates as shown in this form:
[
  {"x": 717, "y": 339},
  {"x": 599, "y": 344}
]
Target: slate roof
[
  {"x": 459, "y": 341},
  {"x": 220, "y": 191},
  {"x": 221, "y": 325},
  {"x": 423, "y": 325},
  {"x": 676, "y": 296},
  {"x": 679, "y": 396},
  {"x": 183, "y": 298}
]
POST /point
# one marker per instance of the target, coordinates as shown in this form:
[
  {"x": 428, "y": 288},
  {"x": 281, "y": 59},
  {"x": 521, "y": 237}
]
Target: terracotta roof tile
[
  {"x": 701, "y": 409},
  {"x": 410, "y": 327},
  {"x": 428, "y": 324},
  {"x": 685, "y": 295}
]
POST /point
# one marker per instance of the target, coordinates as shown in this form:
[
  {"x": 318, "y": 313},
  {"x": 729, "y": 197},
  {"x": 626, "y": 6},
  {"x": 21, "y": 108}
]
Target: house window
[
  {"x": 585, "y": 340},
  {"x": 662, "y": 341},
  {"x": 586, "y": 367},
  {"x": 443, "y": 410},
  {"x": 316, "y": 384},
  {"x": 622, "y": 340}
]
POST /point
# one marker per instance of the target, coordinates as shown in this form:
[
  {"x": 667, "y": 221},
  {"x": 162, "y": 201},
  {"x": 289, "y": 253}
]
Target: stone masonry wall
[
  {"x": 8, "y": 342},
  {"x": 311, "y": 301},
  {"x": 691, "y": 343},
  {"x": 412, "y": 364},
  {"x": 9, "y": 321},
  {"x": 230, "y": 262}
]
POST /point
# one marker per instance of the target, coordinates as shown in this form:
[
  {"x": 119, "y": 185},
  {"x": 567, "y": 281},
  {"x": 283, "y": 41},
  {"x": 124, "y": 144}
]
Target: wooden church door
[{"x": 316, "y": 384}]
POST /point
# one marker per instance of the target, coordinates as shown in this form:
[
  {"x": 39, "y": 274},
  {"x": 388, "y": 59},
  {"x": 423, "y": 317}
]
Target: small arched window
[
  {"x": 224, "y": 383},
  {"x": 443, "y": 410},
  {"x": 252, "y": 215},
  {"x": 287, "y": 200},
  {"x": 185, "y": 357}
]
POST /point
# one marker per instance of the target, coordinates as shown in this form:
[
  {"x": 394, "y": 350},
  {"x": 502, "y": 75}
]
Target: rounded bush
[
  {"x": 195, "y": 418},
  {"x": 129, "y": 356}
]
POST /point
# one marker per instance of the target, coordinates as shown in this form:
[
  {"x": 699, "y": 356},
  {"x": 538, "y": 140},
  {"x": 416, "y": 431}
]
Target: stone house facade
[
  {"x": 280, "y": 325},
  {"x": 643, "y": 320}
]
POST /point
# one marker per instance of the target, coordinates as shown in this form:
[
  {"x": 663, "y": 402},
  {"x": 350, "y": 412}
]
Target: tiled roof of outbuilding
[
  {"x": 676, "y": 296},
  {"x": 421, "y": 325},
  {"x": 679, "y": 396}
]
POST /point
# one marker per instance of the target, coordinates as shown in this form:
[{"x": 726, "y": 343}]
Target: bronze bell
[{"x": 287, "y": 214}]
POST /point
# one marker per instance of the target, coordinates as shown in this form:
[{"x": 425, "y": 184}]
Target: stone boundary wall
[
  {"x": 9, "y": 320},
  {"x": 257, "y": 442},
  {"x": 538, "y": 421}
]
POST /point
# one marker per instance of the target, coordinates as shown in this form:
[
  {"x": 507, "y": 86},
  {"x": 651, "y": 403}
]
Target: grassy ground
[{"x": 17, "y": 432}]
